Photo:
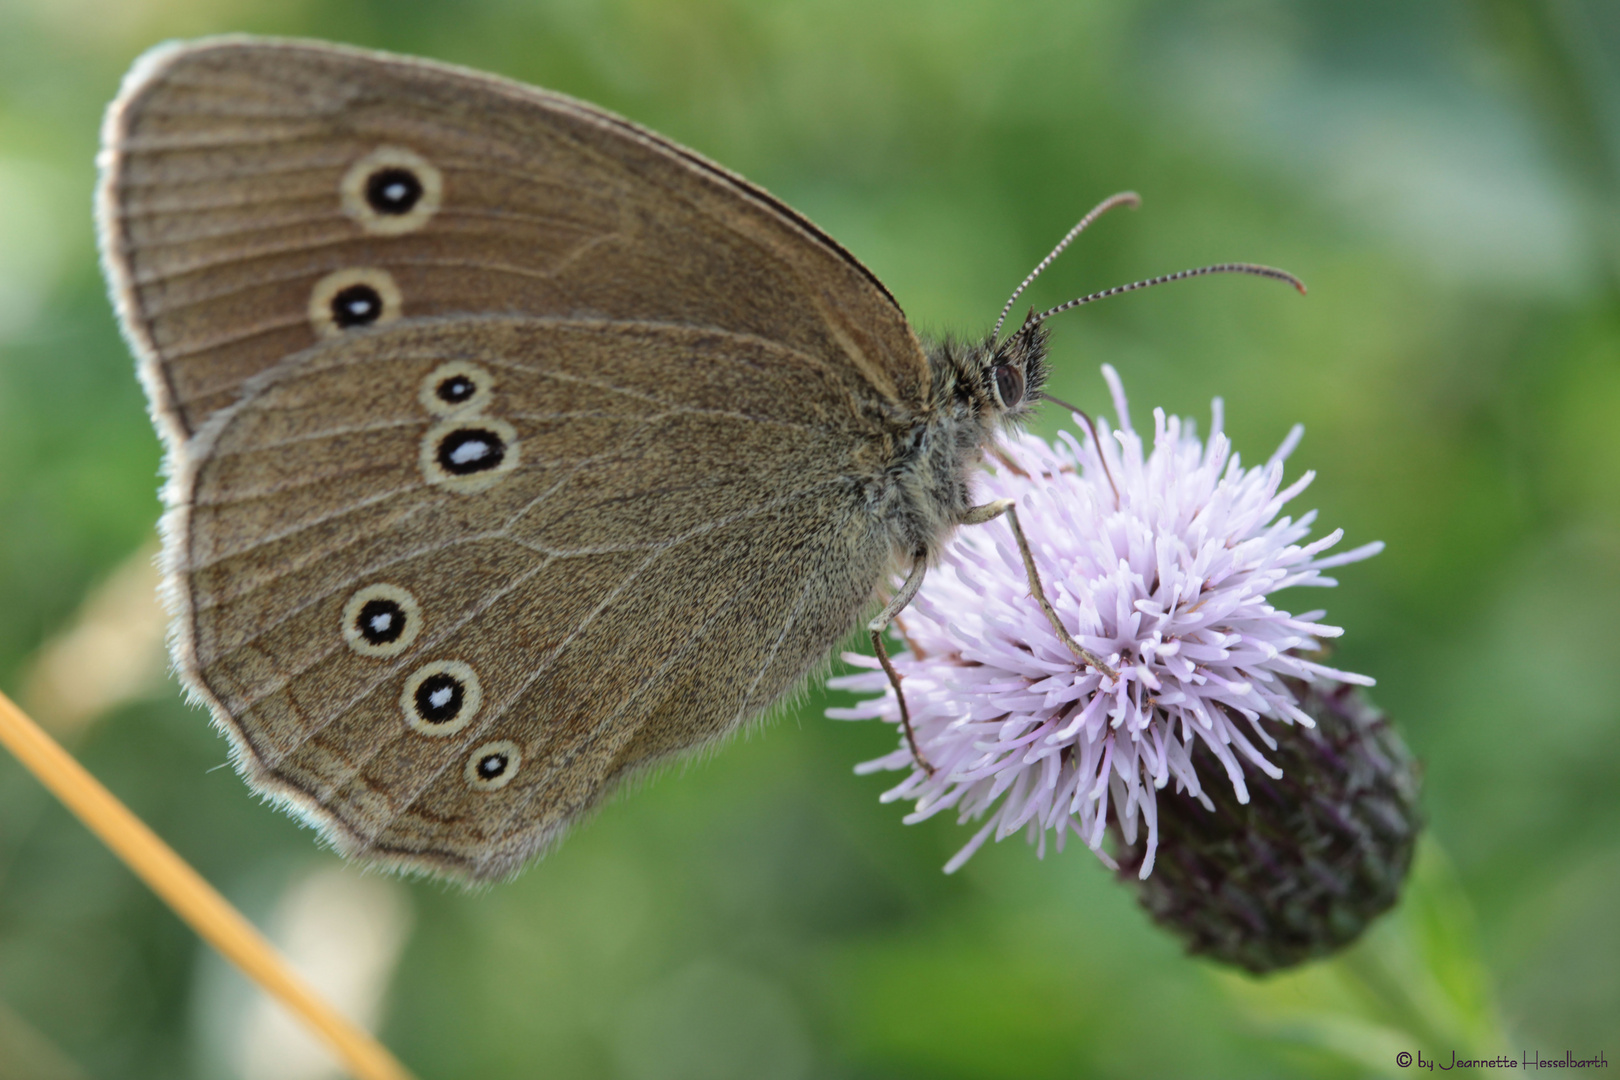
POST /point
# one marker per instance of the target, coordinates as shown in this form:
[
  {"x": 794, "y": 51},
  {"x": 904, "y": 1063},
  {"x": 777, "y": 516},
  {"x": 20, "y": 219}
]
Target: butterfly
[{"x": 512, "y": 448}]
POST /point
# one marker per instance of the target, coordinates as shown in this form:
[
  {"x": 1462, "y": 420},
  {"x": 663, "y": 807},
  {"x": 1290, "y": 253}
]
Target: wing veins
[
  {"x": 258, "y": 330},
  {"x": 669, "y": 411},
  {"x": 541, "y": 668},
  {"x": 495, "y": 715},
  {"x": 591, "y": 737},
  {"x": 168, "y": 144},
  {"x": 343, "y": 511},
  {"x": 550, "y": 554},
  {"x": 327, "y": 217},
  {"x": 326, "y": 433},
  {"x": 351, "y": 508}
]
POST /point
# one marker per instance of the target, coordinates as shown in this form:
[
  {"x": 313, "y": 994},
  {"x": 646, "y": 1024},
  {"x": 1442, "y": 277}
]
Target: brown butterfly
[{"x": 513, "y": 448}]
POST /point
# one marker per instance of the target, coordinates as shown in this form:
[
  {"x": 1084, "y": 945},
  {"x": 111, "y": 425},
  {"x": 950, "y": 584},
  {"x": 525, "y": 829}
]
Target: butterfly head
[
  {"x": 1009, "y": 375},
  {"x": 985, "y": 385}
]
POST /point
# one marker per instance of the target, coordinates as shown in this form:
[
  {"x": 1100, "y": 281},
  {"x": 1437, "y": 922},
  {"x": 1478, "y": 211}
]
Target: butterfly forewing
[
  {"x": 236, "y": 181},
  {"x": 514, "y": 447}
]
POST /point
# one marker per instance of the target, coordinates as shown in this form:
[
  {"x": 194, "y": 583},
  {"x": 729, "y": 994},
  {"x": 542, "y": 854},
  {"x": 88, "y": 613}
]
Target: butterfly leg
[
  {"x": 978, "y": 515},
  {"x": 891, "y": 611}
]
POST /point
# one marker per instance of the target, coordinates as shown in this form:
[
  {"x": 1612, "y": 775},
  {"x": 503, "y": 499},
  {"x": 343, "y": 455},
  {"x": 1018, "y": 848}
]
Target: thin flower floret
[{"x": 1160, "y": 560}]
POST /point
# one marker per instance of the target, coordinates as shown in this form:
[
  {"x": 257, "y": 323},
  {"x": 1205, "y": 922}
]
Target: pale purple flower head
[{"x": 1160, "y": 561}]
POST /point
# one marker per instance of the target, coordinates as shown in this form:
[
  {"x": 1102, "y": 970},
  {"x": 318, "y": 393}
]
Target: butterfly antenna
[
  {"x": 1220, "y": 268},
  {"x": 1124, "y": 198}
]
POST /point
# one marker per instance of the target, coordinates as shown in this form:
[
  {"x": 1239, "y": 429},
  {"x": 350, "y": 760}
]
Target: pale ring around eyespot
[
  {"x": 456, "y": 388},
  {"x": 381, "y": 620},
  {"x": 492, "y": 765},
  {"x": 353, "y": 299},
  {"x": 467, "y": 454},
  {"x": 386, "y": 161},
  {"x": 441, "y": 698}
]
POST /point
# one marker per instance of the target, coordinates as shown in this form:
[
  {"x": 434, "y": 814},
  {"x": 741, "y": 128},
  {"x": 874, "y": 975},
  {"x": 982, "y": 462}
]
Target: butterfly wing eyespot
[
  {"x": 441, "y": 698},
  {"x": 357, "y": 305},
  {"x": 493, "y": 765},
  {"x": 467, "y": 451},
  {"x": 381, "y": 620},
  {"x": 353, "y": 299},
  {"x": 458, "y": 387},
  {"x": 469, "y": 454},
  {"x": 392, "y": 191}
]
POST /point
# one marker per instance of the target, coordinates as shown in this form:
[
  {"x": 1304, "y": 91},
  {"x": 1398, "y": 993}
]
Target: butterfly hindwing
[{"x": 586, "y": 604}]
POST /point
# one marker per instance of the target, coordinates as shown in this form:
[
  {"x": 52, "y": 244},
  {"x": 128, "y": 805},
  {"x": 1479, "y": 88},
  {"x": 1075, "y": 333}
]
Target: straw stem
[{"x": 197, "y": 903}]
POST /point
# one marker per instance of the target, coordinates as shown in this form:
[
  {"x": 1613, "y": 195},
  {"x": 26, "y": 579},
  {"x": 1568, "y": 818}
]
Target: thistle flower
[{"x": 1162, "y": 562}]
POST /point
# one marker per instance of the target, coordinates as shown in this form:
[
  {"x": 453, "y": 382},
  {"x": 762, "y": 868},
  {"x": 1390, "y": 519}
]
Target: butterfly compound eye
[{"x": 1008, "y": 383}]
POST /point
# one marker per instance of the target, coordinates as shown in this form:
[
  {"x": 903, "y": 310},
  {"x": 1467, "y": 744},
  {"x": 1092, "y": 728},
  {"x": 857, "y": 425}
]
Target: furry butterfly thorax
[{"x": 977, "y": 390}]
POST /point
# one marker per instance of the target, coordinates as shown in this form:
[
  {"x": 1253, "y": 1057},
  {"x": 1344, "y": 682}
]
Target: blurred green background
[{"x": 1445, "y": 175}]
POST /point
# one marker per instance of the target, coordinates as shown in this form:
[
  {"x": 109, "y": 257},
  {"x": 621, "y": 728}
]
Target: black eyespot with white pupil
[
  {"x": 439, "y": 698},
  {"x": 1008, "y": 382},
  {"x": 393, "y": 191},
  {"x": 455, "y": 389},
  {"x": 381, "y": 621},
  {"x": 357, "y": 305},
  {"x": 467, "y": 452},
  {"x": 492, "y": 765},
  {"x": 470, "y": 450}
]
